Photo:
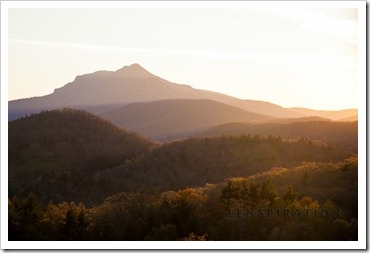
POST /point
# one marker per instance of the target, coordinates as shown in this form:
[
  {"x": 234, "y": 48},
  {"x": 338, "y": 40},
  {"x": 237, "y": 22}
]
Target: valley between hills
[{"x": 126, "y": 155}]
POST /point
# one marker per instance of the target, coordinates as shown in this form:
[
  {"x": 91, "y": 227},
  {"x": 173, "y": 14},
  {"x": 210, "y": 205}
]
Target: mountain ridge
[
  {"x": 332, "y": 114},
  {"x": 176, "y": 118},
  {"x": 132, "y": 84},
  {"x": 128, "y": 85}
]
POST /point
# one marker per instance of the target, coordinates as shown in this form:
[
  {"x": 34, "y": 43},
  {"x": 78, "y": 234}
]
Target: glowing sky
[{"x": 294, "y": 57}]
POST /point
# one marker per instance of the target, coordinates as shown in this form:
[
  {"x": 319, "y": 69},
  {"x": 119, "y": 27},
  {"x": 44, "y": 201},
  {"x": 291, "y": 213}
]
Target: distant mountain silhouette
[
  {"x": 102, "y": 91},
  {"x": 175, "y": 118},
  {"x": 334, "y": 115},
  {"x": 352, "y": 118}
]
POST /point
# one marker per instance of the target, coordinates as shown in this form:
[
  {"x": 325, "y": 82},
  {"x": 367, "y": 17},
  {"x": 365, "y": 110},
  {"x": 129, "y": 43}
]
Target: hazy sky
[{"x": 292, "y": 57}]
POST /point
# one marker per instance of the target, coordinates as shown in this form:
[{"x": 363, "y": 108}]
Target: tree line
[
  {"x": 74, "y": 176},
  {"x": 243, "y": 208}
]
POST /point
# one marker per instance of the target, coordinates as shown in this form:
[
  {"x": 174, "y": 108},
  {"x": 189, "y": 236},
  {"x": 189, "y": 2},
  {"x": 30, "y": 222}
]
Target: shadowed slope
[{"x": 171, "y": 119}]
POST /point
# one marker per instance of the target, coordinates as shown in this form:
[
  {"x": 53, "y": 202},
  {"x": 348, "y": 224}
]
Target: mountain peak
[{"x": 134, "y": 70}]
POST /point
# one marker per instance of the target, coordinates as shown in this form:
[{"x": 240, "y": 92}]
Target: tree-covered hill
[
  {"x": 129, "y": 188},
  {"x": 331, "y": 132},
  {"x": 195, "y": 162},
  {"x": 54, "y": 148},
  {"x": 313, "y": 201},
  {"x": 75, "y": 156}
]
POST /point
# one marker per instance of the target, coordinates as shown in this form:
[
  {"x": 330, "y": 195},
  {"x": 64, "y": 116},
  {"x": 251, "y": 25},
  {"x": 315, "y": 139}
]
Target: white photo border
[{"x": 362, "y": 194}]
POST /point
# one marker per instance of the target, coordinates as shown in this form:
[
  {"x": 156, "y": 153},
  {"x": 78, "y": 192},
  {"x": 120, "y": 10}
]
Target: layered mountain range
[
  {"x": 135, "y": 99},
  {"x": 232, "y": 153}
]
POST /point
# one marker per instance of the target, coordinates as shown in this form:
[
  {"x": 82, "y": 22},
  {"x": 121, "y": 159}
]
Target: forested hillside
[
  {"x": 74, "y": 176},
  {"x": 55, "y": 152},
  {"x": 313, "y": 201},
  {"x": 194, "y": 162},
  {"x": 331, "y": 132}
]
